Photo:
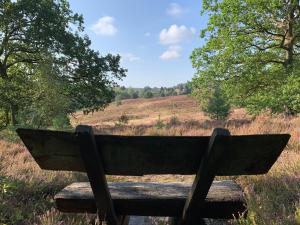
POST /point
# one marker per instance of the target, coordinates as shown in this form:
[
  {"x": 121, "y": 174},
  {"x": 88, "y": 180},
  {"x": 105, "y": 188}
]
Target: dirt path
[{"x": 141, "y": 220}]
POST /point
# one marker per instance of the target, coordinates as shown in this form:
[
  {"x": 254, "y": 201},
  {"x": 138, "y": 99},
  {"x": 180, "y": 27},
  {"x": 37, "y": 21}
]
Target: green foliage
[
  {"x": 297, "y": 216},
  {"x": 217, "y": 106},
  {"x": 48, "y": 104},
  {"x": 61, "y": 121},
  {"x": 253, "y": 50},
  {"x": 47, "y": 66},
  {"x": 134, "y": 94},
  {"x": 168, "y": 92},
  {"x": 122, "y": 93},
  {"x": 7, "y": 186},
  {"x": 4, "y": 119},
  {"x": 9, "y": 134},
  {"x": 162, "y": 92},
  {"x": 147, "y": 94}
]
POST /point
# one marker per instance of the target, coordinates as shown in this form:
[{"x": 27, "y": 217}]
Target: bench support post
[
  {"x": 95, "y": 171},
  {"x": 209, "y": 165}
]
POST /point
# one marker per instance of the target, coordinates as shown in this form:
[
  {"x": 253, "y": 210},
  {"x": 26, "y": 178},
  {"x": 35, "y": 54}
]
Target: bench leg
[
  {"x": 124, "y": 220},
  {"x": 94, "y": 167},
  {"x": 210, "y": 162}
]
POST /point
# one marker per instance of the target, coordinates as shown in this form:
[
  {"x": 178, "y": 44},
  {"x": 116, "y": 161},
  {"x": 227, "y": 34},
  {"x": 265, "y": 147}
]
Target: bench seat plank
[
  {"x": 140, "y": 155},
  {"x": 224, "y": 199}
]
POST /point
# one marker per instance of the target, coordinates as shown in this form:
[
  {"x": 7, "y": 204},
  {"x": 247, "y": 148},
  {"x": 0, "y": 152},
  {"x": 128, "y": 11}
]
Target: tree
[
  {"x": 121, "y": 95},
  {"x": 170, "y": 92},
  {"x": 217, "y": 106},
  {"x": 47, "y": 32},
  {"x": 133, "y": 93},
  {"x": 147, "y": 92},
  {"x": 48, "y": 104},
  {"x": 162, "y": 92},
  {"x": 253, "y": 49}
]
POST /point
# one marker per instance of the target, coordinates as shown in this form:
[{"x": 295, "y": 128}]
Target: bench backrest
[{"x": 140, "y": 155}]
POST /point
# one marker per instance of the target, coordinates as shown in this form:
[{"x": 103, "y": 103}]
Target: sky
[{"x": 155, "y": 38}]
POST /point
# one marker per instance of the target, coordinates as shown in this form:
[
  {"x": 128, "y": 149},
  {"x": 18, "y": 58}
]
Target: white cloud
[
  {"x": 175, "y": 9},
  {"x": 147, "y": 34},
  {"x": 173, "y": 52},
  {"x": 130, "y": 57},
  {"x": 176, "y": 34},
  {"x": 105, "y": 26}
]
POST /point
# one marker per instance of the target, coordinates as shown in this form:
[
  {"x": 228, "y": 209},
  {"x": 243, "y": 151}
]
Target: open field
[{"x": 26, "y": 191}]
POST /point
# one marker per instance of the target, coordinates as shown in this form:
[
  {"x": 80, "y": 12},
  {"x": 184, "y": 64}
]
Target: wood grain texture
[
  {"x": 132, "y": 155},
  {"x": 94, "y": 166},
  {"x": 212, "y": 159},
  {"x": 224, "y": 199}
]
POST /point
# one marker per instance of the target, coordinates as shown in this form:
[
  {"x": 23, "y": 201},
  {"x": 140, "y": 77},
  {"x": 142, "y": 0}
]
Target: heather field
[{"x": 26, "y": 192}]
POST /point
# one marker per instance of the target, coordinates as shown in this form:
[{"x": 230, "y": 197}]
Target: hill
[{"x": 176, "y": 111}]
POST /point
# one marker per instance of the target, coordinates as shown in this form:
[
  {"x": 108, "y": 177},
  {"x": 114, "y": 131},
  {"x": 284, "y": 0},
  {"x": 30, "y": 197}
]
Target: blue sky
[{"x": 155, "y": 38}]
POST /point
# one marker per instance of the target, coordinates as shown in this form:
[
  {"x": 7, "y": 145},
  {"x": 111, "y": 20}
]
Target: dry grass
[{"x": 26, "y": 192}]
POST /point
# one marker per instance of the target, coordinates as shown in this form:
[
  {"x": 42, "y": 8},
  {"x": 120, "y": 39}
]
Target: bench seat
[{"x": 225, "y": 199}]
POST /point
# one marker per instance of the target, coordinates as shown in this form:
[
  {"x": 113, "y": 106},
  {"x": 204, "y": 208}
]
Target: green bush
[
  {"x": 61, "y": 122},
  {"x": 148, "y": 94},
  {"x": 217, "y": 106},
  {"x": 4, "y": 120},
  {"x": 9, "y": 134}
]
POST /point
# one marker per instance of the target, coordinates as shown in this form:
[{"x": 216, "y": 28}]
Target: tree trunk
[
  {"x": 7, "y": 120},
  {"x": 13, "y": 112}
]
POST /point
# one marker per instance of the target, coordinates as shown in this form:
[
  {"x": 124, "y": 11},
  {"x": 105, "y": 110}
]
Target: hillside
[
  {"x": 176, "y": 111},
  {"x": 144, "y": 111},
  {"x": 26, "y": 192}
]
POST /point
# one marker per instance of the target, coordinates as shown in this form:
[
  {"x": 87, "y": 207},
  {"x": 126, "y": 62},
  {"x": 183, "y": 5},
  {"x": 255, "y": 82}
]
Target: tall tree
[
  {"x": 253, "y": 48},
  {"x": 35, "y": 33}
]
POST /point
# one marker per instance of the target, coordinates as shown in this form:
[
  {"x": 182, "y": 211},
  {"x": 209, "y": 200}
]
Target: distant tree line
[{"x": 122, "y": 93}]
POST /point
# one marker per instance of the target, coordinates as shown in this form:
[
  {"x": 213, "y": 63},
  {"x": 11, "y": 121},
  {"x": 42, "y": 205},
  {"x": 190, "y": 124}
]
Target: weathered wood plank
[
  {"x": 131, "y": 155},
  {"x": 94, "y": 166},
  {"x": 215, "y": 154},
  {"x": 224, "y": 199}
]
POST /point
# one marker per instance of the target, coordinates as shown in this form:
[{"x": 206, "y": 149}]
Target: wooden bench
[{"x": 206, "y": 157}]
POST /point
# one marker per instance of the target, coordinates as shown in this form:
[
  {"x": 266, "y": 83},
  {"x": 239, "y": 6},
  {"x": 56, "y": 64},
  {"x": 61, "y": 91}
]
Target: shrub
[
  {"x": 217, "y": 106},
  {"x": 148, "y": 94},
  {"x": 9, "y": 134},
  {"x": 122, "y": 120},
  {"x": 4, "y": 119},
  {"x": 122, "y": 96},
  {"x": 61, "y": 122},
  {"x": 159, "y": 123},
  {"x": 173, "y": 121}
]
